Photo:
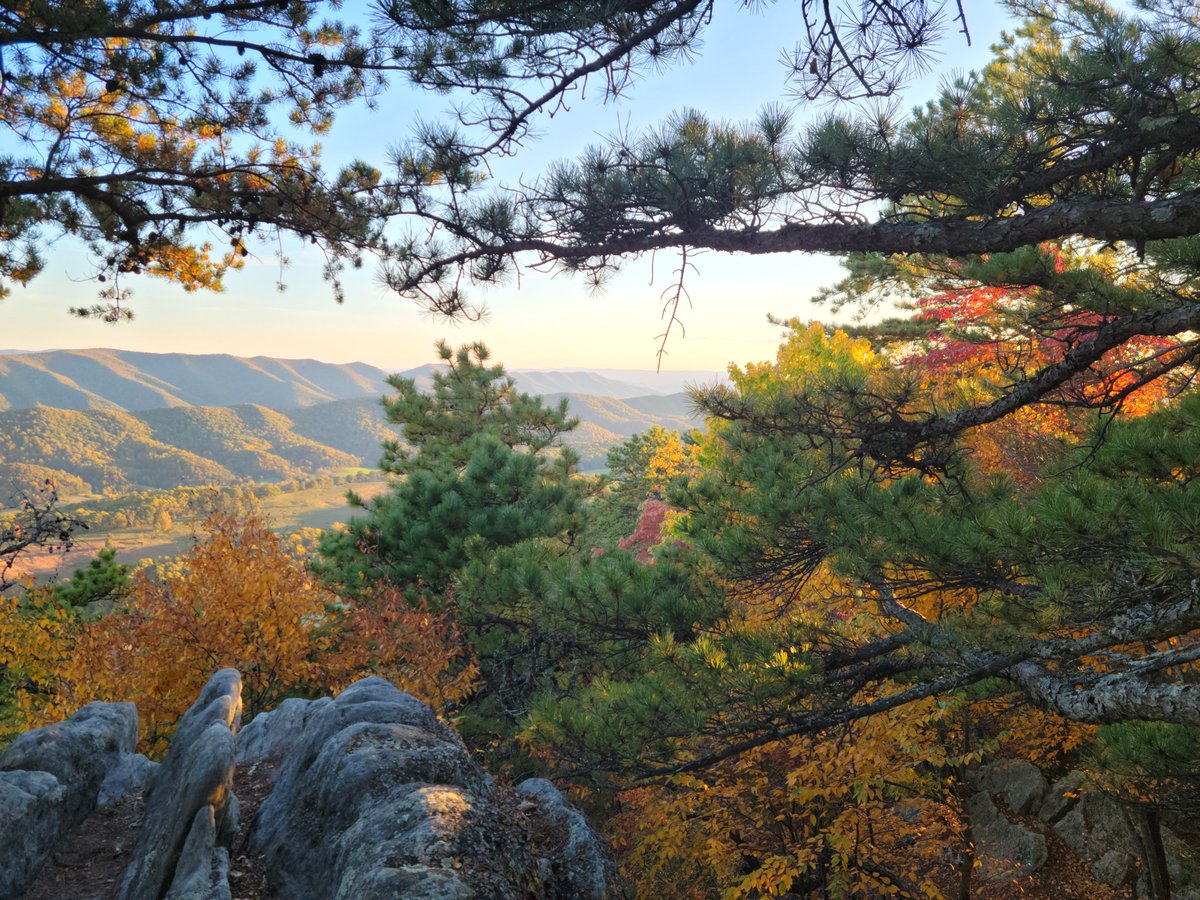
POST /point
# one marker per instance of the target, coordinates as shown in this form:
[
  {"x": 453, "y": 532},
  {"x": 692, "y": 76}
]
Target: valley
[{"x": 141, "y": 445}]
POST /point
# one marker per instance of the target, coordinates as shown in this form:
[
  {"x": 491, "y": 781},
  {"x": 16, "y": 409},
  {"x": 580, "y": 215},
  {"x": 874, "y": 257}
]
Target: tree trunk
[
  {"x": 1155, "y": 856},
  {"x": 966, "y": 866}
]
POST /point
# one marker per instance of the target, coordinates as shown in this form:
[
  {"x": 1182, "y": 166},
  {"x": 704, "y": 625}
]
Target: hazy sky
[{"x": 546, "y": 321}]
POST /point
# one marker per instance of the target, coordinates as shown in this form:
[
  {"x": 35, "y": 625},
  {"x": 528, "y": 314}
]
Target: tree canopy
[
  {"x": 1082, "y": 125},
  {"x": 152, "y": 130},
  {"x": 176, "y": 139}
]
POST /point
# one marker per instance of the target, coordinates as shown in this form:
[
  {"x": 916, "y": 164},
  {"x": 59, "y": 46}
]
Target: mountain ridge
[
  {"x": 135, "y": 380},
  {"x": 113, "y": 421}
]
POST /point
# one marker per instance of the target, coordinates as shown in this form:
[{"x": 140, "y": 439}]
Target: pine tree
[
  {"x": 480, "y": 468},
  {"x": 1083, "y": 125},
  {"x": 103, "y": 581},
  {"x": 487, "y": 514}
]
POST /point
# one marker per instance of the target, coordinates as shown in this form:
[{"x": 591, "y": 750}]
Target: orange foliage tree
[{"x": 239, "y": 598}]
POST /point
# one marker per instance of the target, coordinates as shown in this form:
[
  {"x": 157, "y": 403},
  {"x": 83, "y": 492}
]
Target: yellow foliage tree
[{"x": 36, "y": 635}]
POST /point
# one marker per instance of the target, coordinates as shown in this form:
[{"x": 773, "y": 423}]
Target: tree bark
[{"x": 1150, "y": 826}]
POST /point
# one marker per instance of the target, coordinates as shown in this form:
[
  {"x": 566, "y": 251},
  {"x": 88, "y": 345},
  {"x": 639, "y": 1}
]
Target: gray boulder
[
  {"x": 195, "y": 778},
  {"x": 49, "y": 781},
  {"x": 131, "y": 775},
  {"x": 31, "y": 821},
  {"x": 1096, "y": 825},
  {"x": 376, "y": 797},
  {"x": 372, "y": 701},
  {"x": 78, "y": 752},
  {"x": 1017, "y": 781},
  {"x": 1004, "y": 849},
  {"x": 1114, "y": 868},
  {"x": 573, "y": 862},
  {"x": 1183, "y": 863},
  {"x": 1062, "y": 797},
  {"x": 202, "y": 872},
  {"x": 427, "y": 841},
  {"x": 270, "y": 734}
]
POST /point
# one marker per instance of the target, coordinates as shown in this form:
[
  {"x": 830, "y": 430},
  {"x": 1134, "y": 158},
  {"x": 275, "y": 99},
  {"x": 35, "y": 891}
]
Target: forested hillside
[{"x": 96, "y": 451}]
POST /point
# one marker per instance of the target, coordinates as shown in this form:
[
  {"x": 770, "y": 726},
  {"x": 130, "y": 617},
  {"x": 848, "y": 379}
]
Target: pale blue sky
[{"x": 548, "y": 321}]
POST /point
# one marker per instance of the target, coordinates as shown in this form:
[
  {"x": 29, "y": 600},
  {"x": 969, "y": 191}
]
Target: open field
[{"x": 319, "y": 507}]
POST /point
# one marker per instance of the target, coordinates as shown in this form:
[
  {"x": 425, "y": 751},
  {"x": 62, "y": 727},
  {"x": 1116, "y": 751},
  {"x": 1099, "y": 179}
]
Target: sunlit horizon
[{"x": 539, "y": 320}]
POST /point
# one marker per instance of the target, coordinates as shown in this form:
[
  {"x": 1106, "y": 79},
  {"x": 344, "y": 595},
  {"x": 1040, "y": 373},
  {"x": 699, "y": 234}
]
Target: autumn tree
[
  {"x": 37, "y": 633},
  {"x": 130, "y": 124},
  {"x": 639, "y": 471},
  {"x": 241, "y": 599}
]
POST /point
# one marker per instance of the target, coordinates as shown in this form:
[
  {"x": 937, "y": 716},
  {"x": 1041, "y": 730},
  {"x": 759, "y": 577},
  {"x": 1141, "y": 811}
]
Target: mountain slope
[
  {"x": 629, "y": 417},
  {"x": 105, "y": 450},
  {"x": 250, "y": 441},
  {"x": 112, "y": 420},
  {"x": 357, "y": 427},
  {"x": 108, "y": 450},
  {"x": 120, "y": 379}
]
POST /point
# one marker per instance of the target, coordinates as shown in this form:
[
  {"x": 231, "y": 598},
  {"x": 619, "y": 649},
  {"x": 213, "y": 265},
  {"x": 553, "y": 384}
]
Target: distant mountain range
[
  {"x": 634, "y": 382},
  {"x": 132, "y": 381},
  {"x": 112, "y": 420},
  {"x": 126, "y": 380}
]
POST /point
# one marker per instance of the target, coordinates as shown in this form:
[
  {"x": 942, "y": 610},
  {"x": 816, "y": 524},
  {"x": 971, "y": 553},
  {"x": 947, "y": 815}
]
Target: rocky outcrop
[
  {"x": 266, "y": 739},
  {"x": 376, "y": 797},
  {"x": 1004, "y": 848},
  {"x": 187, "y": 796},
  {"x": 201, "y": 871},
  {"x": 1183, "y": 865},
  {"x": 78, "y": 752},
  {"x": 572, "y": 861},
  {"x": 50, "y": 779},
  {"x": 129, "y": 776},
  {"x": 1101, "y": 831},
  {"x": 1061, "y": 798},
  {"x": 31, "y": 820},
  {"x": 1010, "y": 842},
  {"x": 367, "y": 794},
  {"x": 1018, "y": 782},
  {"x": 1095, "y": 828}
]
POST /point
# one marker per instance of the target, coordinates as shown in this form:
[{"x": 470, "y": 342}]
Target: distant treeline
[{"x": 159, "y": 509}]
